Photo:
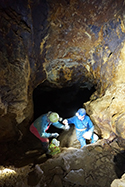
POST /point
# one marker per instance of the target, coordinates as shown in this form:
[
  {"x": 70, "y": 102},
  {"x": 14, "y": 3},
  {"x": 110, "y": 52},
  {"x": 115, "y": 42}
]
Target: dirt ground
[{"x": 21, "y": 153}]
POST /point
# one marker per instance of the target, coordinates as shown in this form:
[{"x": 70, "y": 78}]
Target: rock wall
[{"x": 61, "y": 43}]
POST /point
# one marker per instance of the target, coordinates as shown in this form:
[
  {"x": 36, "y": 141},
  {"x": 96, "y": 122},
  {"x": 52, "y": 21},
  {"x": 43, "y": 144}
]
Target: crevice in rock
[{"x": 109, "y": 55}]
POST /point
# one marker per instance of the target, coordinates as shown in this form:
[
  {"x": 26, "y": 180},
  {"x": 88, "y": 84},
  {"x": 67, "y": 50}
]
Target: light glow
[
  {"x": 7, "y": 176},
  {"x": 7, "y": 171}
]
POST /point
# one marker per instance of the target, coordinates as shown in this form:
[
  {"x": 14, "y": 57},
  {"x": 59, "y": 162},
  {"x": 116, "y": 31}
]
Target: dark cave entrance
[{"x": 64, "y": 101}]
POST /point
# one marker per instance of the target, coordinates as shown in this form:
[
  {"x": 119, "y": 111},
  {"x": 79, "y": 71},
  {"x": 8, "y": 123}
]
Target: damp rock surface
[{"x": 93, "y": 165}]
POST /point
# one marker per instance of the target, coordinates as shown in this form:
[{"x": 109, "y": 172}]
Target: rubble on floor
[{"x": 91, "y": 166}]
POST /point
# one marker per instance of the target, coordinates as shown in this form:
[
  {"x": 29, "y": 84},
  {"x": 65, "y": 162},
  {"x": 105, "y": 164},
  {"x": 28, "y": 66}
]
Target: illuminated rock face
[{"x": 62, "y": 43}]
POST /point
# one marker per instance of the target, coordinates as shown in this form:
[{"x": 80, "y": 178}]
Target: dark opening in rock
[{"x": 65, "y": 101}]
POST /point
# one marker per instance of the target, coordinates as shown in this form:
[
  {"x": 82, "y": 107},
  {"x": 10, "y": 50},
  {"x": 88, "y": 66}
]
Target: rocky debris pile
[{"x": 91, "y": 166}]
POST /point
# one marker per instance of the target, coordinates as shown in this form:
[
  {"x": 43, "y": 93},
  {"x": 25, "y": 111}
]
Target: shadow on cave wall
[
  {"x": 119, "y": 161},
  {"x": 65, "y": 101}
]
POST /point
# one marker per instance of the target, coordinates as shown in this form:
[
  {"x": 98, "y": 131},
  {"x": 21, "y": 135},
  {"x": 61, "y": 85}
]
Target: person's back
[
  {"x": 40, "y": 126},
  {"x": 41, "y": 120}
]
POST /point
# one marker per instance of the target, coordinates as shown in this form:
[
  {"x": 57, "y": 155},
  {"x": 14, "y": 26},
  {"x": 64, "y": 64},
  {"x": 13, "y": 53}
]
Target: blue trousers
[{"x": 81, "y": 139}]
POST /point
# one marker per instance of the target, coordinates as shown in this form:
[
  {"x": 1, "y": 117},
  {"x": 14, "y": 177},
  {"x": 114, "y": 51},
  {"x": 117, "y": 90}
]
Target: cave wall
[{"x": 61, "y": 43}]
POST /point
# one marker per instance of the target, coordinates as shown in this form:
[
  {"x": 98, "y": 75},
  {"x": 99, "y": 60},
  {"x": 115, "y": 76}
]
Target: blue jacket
[
  {"x": 42, "y": 124},
  {"x": 85, "y": 124}
]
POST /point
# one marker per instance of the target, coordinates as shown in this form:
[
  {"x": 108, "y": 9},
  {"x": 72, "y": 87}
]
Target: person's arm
[
  {"x": 49, "y": 135},
  {"x": 71, "y": 120},
  {"x": 63, "y": 126},
  {"x": 68, "y": 121},
  {"x": 58, "y": 125},
  {"x": 43, "y": 125}
]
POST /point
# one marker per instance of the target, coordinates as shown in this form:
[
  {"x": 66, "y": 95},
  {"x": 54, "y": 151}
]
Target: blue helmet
[{"x": 81, "y": 112}]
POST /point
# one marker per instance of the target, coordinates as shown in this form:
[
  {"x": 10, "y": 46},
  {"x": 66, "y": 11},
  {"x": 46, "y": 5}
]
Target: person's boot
[{"x": 48, "y": 155}]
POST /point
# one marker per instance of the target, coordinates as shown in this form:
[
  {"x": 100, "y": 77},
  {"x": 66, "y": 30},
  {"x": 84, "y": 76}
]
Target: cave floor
[
  {"x": 26, "y": 153},
  {"x": 23, "y": 161},
  {"x": 21, "y": 153}
]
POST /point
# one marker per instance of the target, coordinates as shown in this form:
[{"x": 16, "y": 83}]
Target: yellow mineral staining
[
  {"x": 53, "y": 75},
  {"x": 121, "y": 67},
  {"x": 122, "y": 23},
  {"x": 120, "y": 126},
  {"x": 123, "y": 52},
  {"x": 88, "y": 68},
  {"x": 88, "y": 35},
  {"x": 67, "y": 73},
  {"x": 123, "y": 134},
  {"x": 42, "y": 44},
  {"x": 106, "y": 134}
]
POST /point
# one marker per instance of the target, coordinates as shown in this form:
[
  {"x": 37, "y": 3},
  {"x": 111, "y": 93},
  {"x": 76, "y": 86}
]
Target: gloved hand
[
  {"x": 87, "y": 135},
  {"x": 60, "y": 119},
  {"x": 65, "y": 122},
  {"x": 55, "y": 135},
  {"x": 66, "y": 127}
]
